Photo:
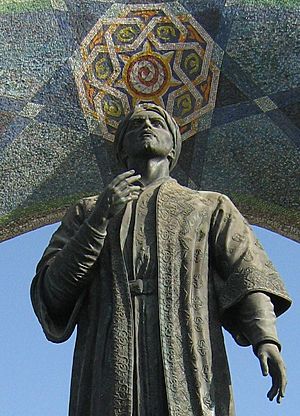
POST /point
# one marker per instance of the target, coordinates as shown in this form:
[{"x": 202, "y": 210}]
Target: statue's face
[{"x": 147, "y": 135}]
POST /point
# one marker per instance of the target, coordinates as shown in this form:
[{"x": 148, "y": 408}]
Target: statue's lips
[
  {"x": 146, "y": 132},
  {"x": 147, "y": 136}
]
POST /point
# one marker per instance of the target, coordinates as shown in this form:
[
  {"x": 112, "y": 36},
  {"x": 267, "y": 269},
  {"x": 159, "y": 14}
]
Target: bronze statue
[{"x": 149, "y": 272}]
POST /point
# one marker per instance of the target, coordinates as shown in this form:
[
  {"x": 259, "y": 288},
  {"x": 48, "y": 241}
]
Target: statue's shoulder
[{"x": 210, "y": 197}]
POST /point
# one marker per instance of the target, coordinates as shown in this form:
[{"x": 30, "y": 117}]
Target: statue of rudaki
[{"x": 149, "y": 272}]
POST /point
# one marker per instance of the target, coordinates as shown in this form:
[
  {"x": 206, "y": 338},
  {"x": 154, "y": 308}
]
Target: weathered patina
[{"x": 154, "y": 286}]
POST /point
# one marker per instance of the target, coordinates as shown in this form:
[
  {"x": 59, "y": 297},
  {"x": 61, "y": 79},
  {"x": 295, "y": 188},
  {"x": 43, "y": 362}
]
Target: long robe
[{"x": 208, "y": 260}]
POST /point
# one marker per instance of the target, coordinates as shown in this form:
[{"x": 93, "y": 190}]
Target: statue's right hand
[{"x": 115, "y": 196}]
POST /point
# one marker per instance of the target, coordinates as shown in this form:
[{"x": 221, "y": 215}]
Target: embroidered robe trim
[{"x": 208, "y": 260}]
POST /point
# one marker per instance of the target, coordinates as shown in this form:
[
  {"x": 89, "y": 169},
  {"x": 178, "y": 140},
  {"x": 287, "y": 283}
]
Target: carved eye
[
  {"x": 134, "y": 124},
  {"x": 157, "y": 123}
]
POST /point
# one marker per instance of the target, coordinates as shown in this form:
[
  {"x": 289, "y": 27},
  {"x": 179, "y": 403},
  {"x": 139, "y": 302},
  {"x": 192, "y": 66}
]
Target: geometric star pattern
[
  {"x": 146, "y": 53},
  {"x": 239, "y": 110}
]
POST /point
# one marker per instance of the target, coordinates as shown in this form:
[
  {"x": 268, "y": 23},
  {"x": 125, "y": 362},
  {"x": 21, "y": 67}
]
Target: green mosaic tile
[
  {"x": 275, "y": 3},
  {"x": 21, "y": 6}
]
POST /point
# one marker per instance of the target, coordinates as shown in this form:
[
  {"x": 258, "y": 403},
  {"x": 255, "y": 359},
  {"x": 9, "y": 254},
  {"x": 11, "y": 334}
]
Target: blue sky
[{"x": 35, "y": 374}]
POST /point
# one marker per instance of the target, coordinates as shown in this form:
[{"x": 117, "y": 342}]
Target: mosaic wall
[
  {"x": 147, "y": 53},
  {"x": 226, "y": 70}
]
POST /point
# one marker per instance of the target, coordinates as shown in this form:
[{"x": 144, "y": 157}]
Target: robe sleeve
[
  {"x": 241, "y": 267},
  {"x": 63, "y": 274},
  {"x": 256, "y": 321}
]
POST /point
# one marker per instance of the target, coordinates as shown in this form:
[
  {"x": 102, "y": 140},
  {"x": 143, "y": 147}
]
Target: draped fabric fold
[{"x": 208, "y": 260}]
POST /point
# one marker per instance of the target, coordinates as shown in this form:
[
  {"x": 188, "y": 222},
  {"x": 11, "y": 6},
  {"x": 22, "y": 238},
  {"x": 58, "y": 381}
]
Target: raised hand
[{"x": 115, "y": 196}]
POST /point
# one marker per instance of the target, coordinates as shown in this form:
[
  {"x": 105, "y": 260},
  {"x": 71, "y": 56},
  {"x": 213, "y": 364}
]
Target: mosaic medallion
[{"x": 146, "y": 53}]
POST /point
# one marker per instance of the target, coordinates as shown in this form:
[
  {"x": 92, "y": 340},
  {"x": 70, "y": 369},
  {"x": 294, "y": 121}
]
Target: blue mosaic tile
[
  {"x": 197, "y": 159},
  {"x": 11, "y": 131},
  {"x": 5, "y": 122},
  {"x": 64, "y": 117},
  {"x": 228, "y": 93},
  {"x": 82, "y": 23},
  {"x": 264, "y": 45},
  {"x": 67, "y": 33},
  {"x": 104, "y": 154},
  {"x": 201, "y": 6},
  {"x": 241, "y": 78},
  {"x": 210, "y": 20},
  {"x": 284, "y": 98},
  {"x": 60, "y": 101},
  {"x": 88, "y": 7},
  {"x": 256, "y": 138},
  {"x": 286, "y": 125},
  {"x": 35, "y": 52},
  {"x": 89, "y": 178},
  {"x": 11, "y": 104},
  {"x": 60, "y": 89},
  {"x": 225, "y": 25},
  {"x": 292, "y": 111},
  {"x": 235, "y": 112}
]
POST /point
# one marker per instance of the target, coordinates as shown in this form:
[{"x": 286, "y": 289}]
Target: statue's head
[{"x": 139, "y": 112}]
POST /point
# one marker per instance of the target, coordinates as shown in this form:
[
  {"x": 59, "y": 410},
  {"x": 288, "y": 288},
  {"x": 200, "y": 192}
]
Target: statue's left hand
[{"x": 271, "y": 362}]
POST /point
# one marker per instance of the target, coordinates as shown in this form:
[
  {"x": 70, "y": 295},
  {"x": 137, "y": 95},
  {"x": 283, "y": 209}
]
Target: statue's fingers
[
  {"x": 263, "y": 360},
  {"x": 122, "y": 185},
  {"x": 134, "y": 195},
  {"x": 130, "y": 197},
  {"x": 127, "y": 183},
  {"x": 121, "y": 177},
  {"x": 133, "y": 179},
  {"x": 273, "y": 391},
  {"x": 276, "y": 382},
  {"x": 135, "y": 188},
  {"x": 127, "y": 197},
  {"x": 278, "y": 373},
  {"x": 282, "y": 388},
  {"x": 129, "y": 190},
  {"x": 279, "y": 397}
]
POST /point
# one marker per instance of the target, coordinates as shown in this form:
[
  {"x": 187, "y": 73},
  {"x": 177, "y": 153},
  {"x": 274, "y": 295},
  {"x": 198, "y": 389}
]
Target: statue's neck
[{"x": 150, "y": 169}]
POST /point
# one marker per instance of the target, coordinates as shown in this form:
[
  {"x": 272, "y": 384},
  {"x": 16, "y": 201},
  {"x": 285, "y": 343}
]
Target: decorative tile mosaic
[
  {"x": 31, "y": 110},
  {"x": 265, "y": 104},
  {"x": 148, "y": 53},
  {"x": 226, "y": 69}
]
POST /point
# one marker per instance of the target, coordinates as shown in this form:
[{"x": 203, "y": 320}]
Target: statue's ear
[{"x": 171, "y": 155}]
